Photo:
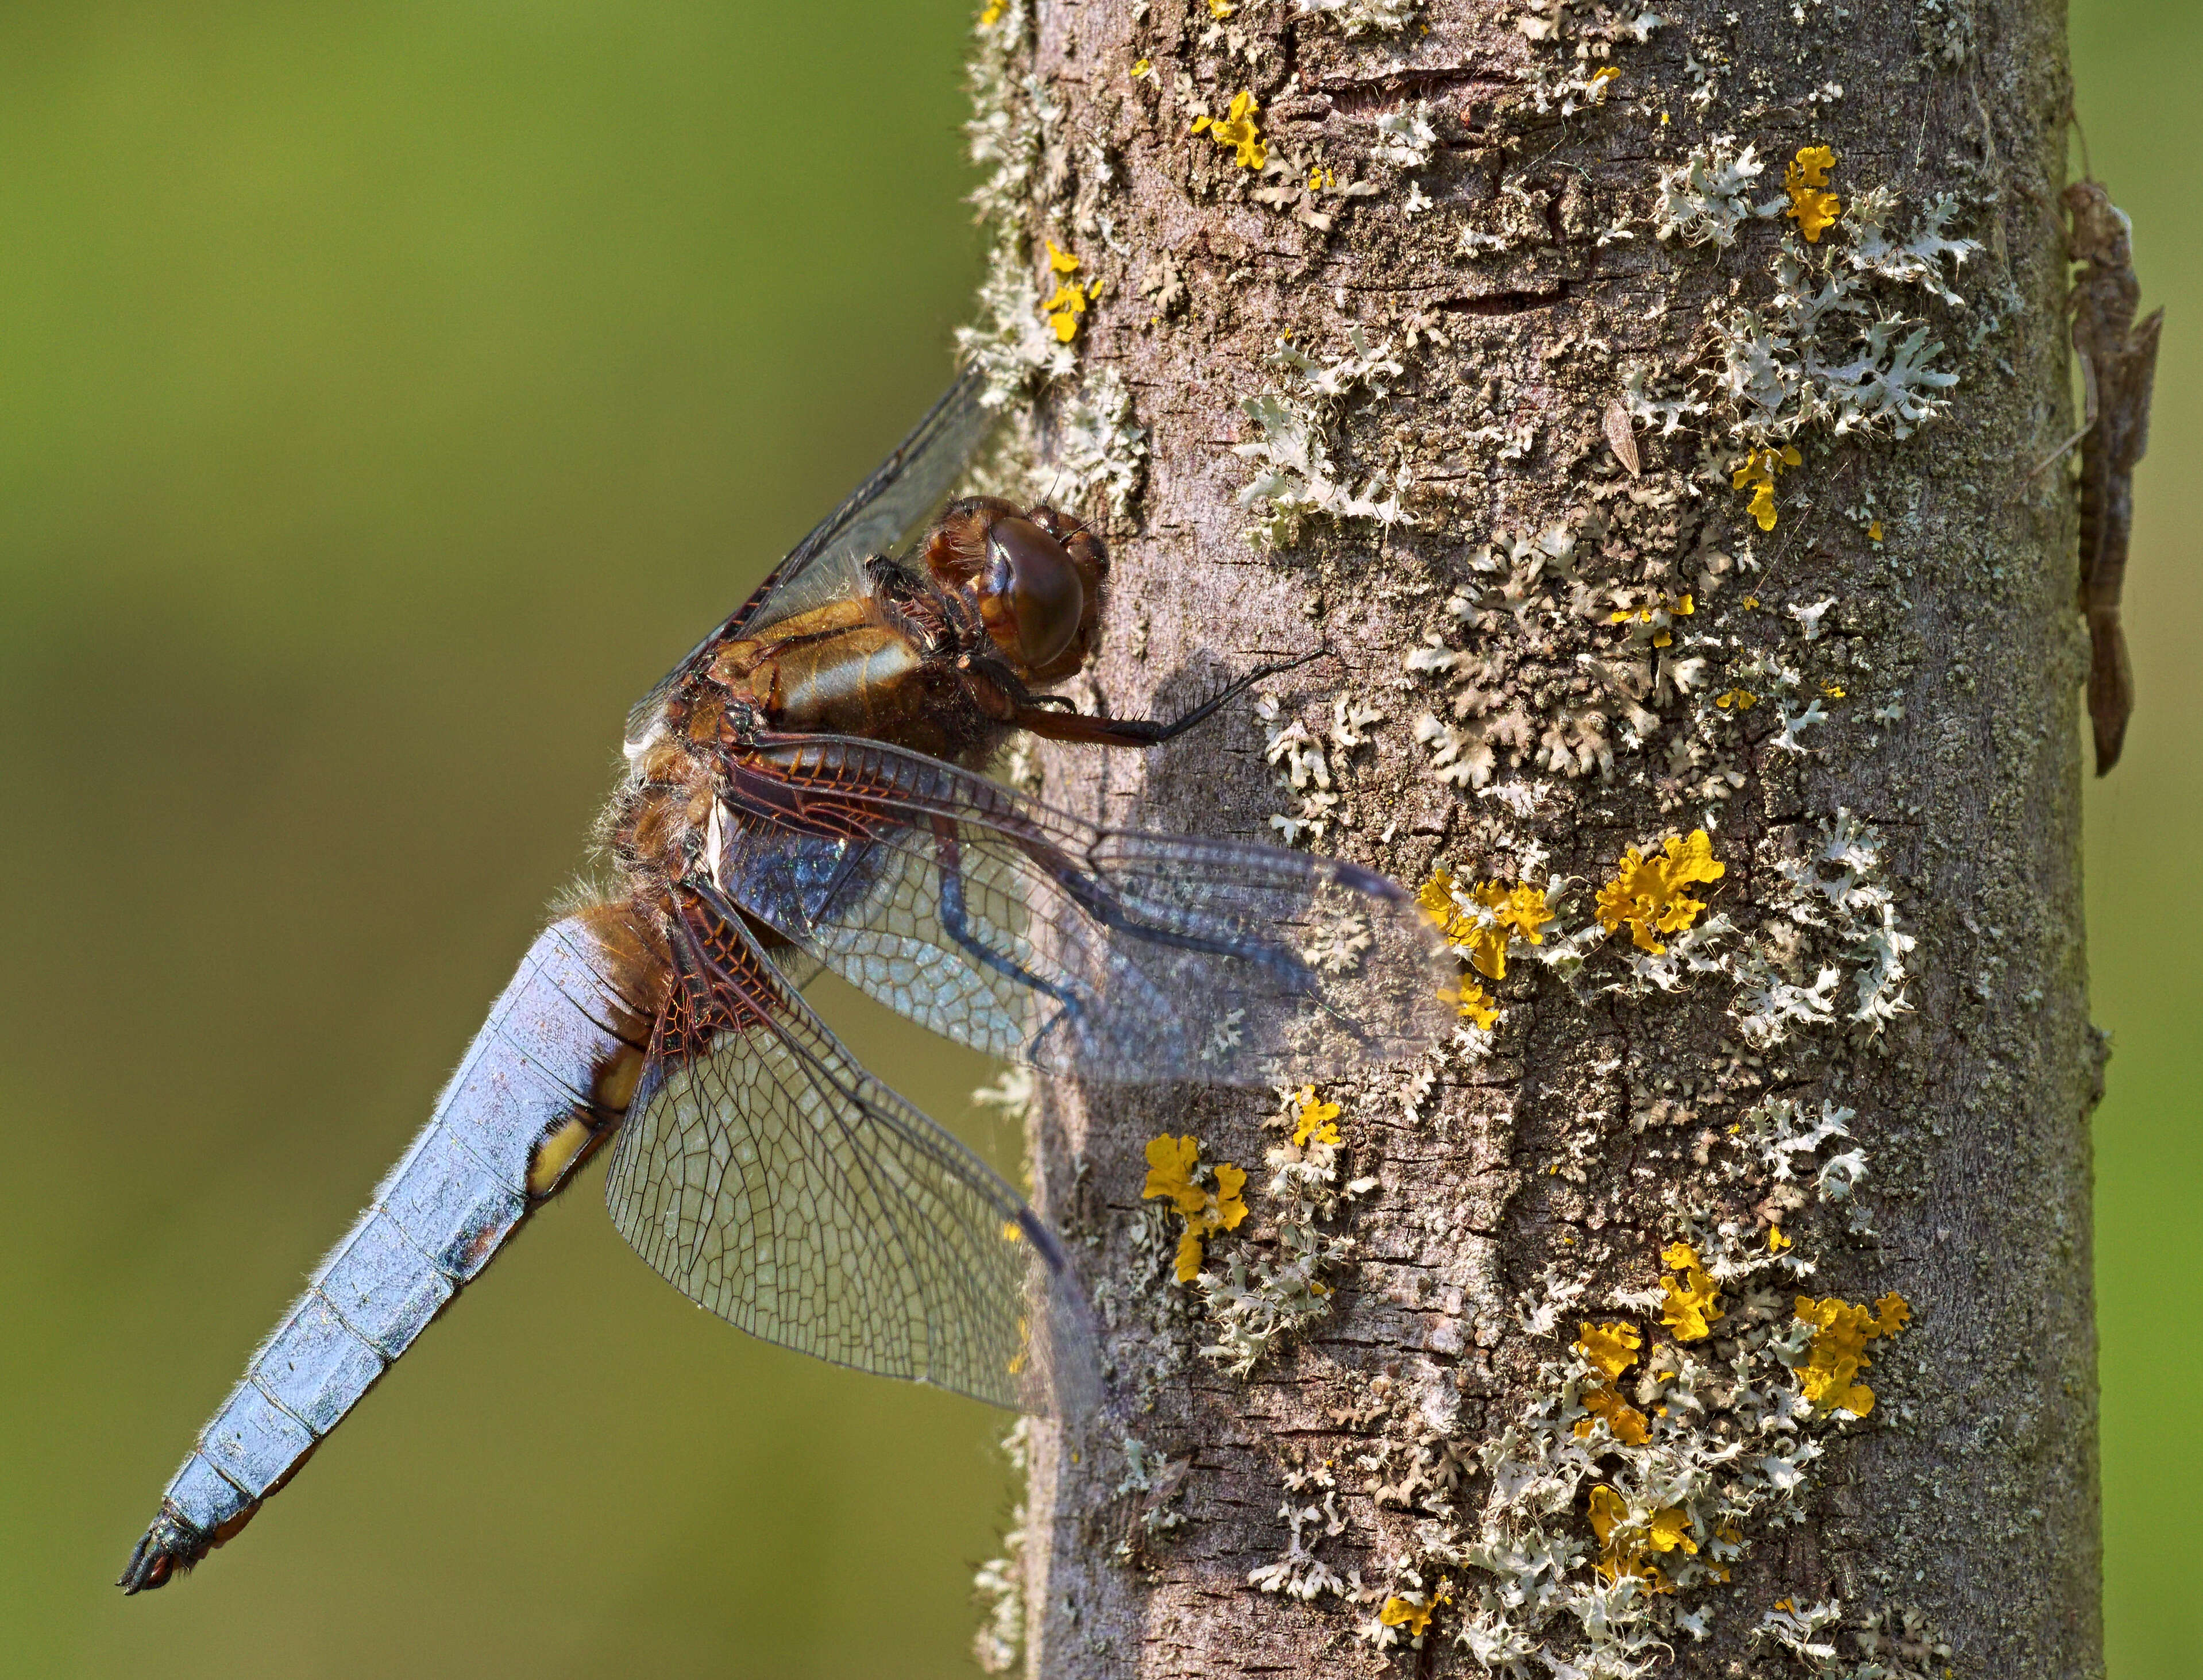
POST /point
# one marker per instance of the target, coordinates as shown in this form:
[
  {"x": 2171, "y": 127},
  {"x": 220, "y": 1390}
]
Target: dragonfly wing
[
  {"x": 770, "y": 1178},
  {"x": 1036, "y": 936},
  {"x": 880, "y": 515}
]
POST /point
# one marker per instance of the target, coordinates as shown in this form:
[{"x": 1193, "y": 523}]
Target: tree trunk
[{"x": 1641, "y": 491}]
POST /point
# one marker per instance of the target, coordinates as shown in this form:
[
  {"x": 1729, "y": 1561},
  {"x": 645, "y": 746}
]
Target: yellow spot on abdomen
[
  {"x": 556, "y": 1153},
  {"x": 616, "y": 1080}
]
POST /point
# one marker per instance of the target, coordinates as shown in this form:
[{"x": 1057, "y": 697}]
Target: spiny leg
[{"x": 1078, "y": 727}]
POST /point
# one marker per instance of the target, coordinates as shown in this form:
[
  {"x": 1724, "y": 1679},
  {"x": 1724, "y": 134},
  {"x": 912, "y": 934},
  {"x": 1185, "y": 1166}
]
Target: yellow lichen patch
[
  {"x": 1670, "y": 1526},
  {"x": 1435, "y": 898},
  {"x": 1693, "y": 1300},
  {"x": 1646, "y": 894},
  {"x": 1220, "y": 9},
  {"x": 1741, "y": 699},
  {"x": 1661, "y": 615},
  {"x": 1776, "y": 1242},
  {"x": 1837, "y": 1354},
  {"x": 1609, "y": 1512},
  {"x": 1171, "y": 1164},
  {"x": 1834, "y": 691},
  {"x": 1627, "y": 1422},
  {"x": 1760, "y": 469},
  {"x": 1814, "y": 210},
  {"x": 1612, "y": 1347},
  {"x": 1068, "y": 303},
  {"x": 1479, "y": 920},
  {"x": 1406, "y": 1612},
  {"x": 1474, "y": 1004},
  {"x": 1229, "y": 1210},
  {"x": 1237, "y": 129},
  {"x": 993, "y": 14},
  {"x": 1313, "y": 1121},
  {"x": 1628, "y": 1539},
  {"x": 1874, "y": 532},
  {"x": 1174, "y": 1166}
]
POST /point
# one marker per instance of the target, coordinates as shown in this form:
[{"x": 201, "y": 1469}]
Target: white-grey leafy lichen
[
  {"x": 1303, "y": 761},
  {"x": 1254, "y": 1298},
  {"x": 1706, "y": 198},
  {"x": 1914, "y": 259},
  {"x": 1830, "y": 899},
  {"x": 1814, "y": 1633},
  {"x": 1821, "y": 351},
  {"x": 1299, "y": 1573},
  {"x": 1405, "y": 138},
  {"x": 1297, "y": 476},
  {"x": 1361, "y": 17},
  {"x": 1016, "y": 118},
  {"x": 1098, "y": 445}
]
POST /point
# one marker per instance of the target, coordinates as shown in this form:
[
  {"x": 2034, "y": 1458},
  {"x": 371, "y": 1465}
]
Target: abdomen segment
[{"x": 546, "y": 1080}]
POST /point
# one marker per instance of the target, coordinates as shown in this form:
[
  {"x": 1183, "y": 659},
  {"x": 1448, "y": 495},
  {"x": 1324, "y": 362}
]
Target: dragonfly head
[{"x": 1035, "y": 576}]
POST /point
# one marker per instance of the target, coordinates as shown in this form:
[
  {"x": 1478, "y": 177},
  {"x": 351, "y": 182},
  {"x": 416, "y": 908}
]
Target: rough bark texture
[{"x": 1620, "y": 1106}]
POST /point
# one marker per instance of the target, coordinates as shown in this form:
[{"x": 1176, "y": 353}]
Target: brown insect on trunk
[{"x": 2118, "y": 367}]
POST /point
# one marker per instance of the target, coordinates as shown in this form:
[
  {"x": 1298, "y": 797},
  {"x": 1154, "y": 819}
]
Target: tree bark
[{"x": 1868, "y": 708}]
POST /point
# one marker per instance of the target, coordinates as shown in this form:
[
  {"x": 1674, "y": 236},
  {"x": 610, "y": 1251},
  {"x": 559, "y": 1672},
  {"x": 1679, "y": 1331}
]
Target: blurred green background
[
  {"x": 2134, "y": 67},
  {"x": 388, "y": 393}
]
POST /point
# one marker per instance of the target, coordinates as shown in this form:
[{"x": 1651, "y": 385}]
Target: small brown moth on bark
[
  {"x": 1620, "y": 438},
  {"x": 2118, "y": 370}
]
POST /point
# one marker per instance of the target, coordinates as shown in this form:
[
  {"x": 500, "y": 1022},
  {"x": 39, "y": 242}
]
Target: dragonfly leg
[{"x": 1080, "y": 726}]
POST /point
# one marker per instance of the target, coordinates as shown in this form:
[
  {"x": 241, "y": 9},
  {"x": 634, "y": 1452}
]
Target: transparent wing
[
  {"x": 772, "y": 1180},
  {"x": 1035, "y": 936},
  {"x": 880, "y": 515}
]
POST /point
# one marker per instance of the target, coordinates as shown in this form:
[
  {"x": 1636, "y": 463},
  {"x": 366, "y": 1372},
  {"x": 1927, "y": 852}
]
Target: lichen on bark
[{"x": 1651, "y": 473}]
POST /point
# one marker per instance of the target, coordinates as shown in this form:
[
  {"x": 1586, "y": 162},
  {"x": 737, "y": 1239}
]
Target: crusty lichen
[{"x": 1254, "y": 1300}]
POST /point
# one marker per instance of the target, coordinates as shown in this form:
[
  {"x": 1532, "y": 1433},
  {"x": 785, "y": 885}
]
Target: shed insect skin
[{"x": 2118, "y": 367}]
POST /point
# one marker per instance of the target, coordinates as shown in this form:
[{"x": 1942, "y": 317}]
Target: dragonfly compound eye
[{"x": 1036, "y": 610}]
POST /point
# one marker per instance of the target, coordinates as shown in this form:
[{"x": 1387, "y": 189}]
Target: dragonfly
[{"x": 806, "y": 793}]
